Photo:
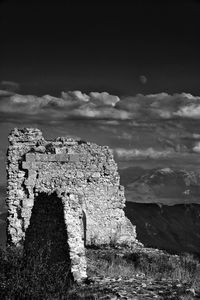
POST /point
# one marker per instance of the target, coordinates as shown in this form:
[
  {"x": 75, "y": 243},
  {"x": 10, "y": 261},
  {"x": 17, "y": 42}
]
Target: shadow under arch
[{"x": 46, "y": 237}]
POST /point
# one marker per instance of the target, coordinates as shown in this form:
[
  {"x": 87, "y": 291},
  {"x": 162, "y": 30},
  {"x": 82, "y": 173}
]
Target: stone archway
[{"x": 46, "y": 234}]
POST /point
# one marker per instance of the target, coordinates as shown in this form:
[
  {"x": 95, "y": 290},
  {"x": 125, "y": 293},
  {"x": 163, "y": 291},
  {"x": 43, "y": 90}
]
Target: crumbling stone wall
[{"x": 84, "y": 177}]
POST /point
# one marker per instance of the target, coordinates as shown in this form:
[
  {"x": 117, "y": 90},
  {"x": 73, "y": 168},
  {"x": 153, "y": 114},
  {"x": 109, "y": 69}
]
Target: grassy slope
[{"x": 38, "y": 280}]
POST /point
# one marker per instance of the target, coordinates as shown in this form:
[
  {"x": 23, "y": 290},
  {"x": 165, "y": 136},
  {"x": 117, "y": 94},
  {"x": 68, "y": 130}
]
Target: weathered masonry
[{"x": 64, "y": 183}]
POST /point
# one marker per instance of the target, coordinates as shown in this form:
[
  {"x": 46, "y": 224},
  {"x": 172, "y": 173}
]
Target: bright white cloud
[
  {"x": 196, "y": 148},
  {"x": 103, "y": 98},
  {"x": 71, "y": 104},
  {"x": 75, "y": 96},
  {"x": 102, "y": 106},
  {"x": 190, "y": 111}
]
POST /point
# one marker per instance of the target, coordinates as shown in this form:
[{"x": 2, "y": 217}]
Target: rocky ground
[{"x": 134, "y": 286}]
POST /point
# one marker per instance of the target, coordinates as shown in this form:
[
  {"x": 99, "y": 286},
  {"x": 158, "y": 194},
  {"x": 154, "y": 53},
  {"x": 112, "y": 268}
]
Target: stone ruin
[{"x": 67, "y": 191}]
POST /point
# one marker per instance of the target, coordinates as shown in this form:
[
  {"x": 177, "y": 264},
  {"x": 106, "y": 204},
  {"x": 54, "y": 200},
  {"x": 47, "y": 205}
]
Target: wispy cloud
[
  {"x": 127, "y": 154},
  {"x": 8, "y": 85}
]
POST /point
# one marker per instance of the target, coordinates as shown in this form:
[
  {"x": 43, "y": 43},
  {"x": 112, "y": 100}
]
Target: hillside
[
  {"x": 165, "y": 186},
  {"x": 173, "y": 228}
]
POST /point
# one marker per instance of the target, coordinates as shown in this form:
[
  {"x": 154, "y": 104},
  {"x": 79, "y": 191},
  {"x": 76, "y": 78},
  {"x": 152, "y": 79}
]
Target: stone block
[
  {"x": 80, "y": 174},
  {"x": 20, "y": 174},
  {"x": 41, "y": 149},
  {"x": 26, "y": 165},
  {"x": 29, "y": 202},
  {"x": 62, "y": 157},
  {"x": 52, "y": 157},
  {"x": 29, "y": 165},
  {"x": 96, "y": 175},
  {"x": 39, "y": 156},
  {"x": 74, "y": 157},
  {"x": 32, "y": 174},
  {"x": 30, "y": 182},
  {"x": 42, "y": 157},
  {"x": 20, "y": 193},
  {"x": 30, "y": 157},
  {"x": 60, "y": 150}
]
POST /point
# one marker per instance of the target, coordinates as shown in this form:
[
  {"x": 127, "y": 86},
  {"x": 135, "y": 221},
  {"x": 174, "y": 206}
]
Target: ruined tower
[{"x": 83, "y": 178}]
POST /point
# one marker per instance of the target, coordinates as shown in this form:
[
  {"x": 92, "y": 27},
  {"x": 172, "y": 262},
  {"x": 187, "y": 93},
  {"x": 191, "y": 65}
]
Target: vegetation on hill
[{"x": 112, "y": 267}]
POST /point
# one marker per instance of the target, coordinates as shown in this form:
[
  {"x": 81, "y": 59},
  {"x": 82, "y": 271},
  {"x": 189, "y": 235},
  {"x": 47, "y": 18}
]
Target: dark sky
[{"x": 49, "y": 46}]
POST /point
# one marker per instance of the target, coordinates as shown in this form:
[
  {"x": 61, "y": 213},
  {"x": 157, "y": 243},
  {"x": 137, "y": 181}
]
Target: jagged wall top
[
  {"x": 25, "y": 135},
  {"x": 34, "y": 136}
]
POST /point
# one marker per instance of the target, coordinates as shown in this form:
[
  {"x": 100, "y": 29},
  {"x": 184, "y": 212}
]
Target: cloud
[
  {"x": 144, "y": 107},
  {"x": 28, "y": 104},
  {"x": 103, "y": 99},
  {"x": 9, "y": 86},
  {"x": 189, "y": 111},
  {"x": 96, "y": 105},
  {"x": 161, "y": 106},
  {"x": 125, "y": 136},
  {"x": 127, "y": 154},
  {"x": 4, "y": 93},
  {"x": 90, "y": 110},
  {"x": 72, "y": 104},
  {"x": 109, "y": 122},
  {"x": 196, "y": 148},
  {"x": 196, "y": 136},
  {"x": 99, "y": 99},
  {"x": 72, "y": 96}
]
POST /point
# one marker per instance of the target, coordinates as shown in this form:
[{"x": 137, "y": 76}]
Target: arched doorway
[{"x": 46, "y": 237}]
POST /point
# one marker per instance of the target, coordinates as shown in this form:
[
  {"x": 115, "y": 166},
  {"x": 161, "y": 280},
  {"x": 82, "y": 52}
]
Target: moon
[{"x": 143, "y": 79}]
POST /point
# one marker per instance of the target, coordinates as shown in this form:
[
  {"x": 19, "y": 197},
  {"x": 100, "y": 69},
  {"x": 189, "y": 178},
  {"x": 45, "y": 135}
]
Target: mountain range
[{"x": 163, "y": 186}]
